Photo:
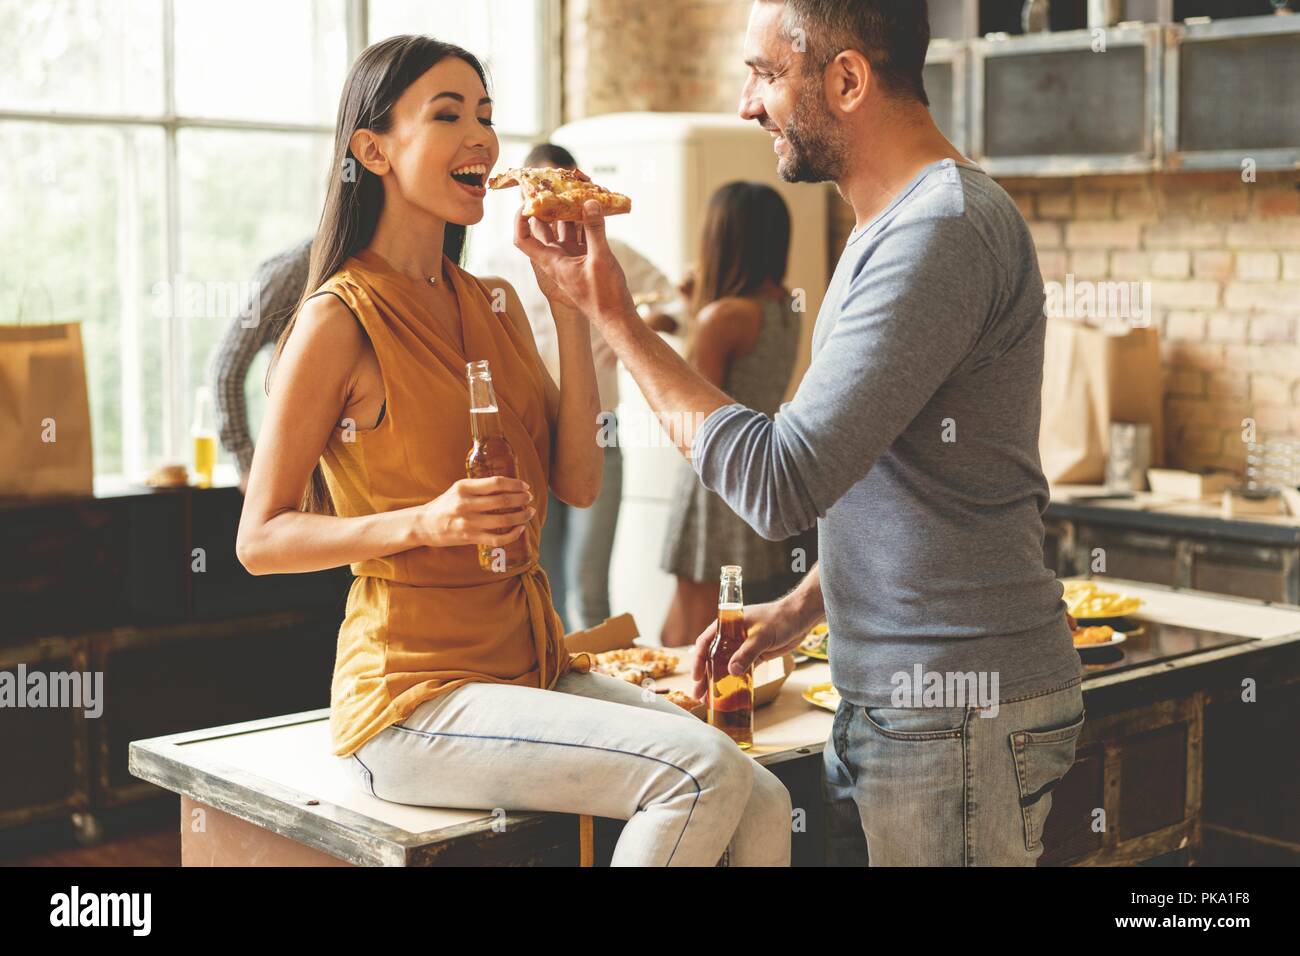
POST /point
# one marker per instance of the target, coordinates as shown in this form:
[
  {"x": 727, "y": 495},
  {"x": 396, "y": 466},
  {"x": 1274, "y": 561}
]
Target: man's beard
[{"x": 816, "y": 143}]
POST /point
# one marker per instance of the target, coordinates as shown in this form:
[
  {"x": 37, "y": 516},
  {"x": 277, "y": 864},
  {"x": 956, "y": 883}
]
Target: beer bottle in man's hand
[
  {"x": 731, "y": 697},
  {"x": 492, "y": 457}
]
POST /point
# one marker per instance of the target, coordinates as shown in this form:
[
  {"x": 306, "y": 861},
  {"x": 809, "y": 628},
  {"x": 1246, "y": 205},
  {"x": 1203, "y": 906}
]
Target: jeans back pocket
[{"x": 1042, "y": 757}]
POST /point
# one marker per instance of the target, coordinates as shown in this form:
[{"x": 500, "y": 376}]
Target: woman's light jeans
[
  {"x": 593, "y": 745},
  {"x": 945, "y": 786},
  {"x": 577, "y": 545}
]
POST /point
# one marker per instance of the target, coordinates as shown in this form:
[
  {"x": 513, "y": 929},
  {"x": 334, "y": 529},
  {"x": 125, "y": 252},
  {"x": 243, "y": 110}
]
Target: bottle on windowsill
[{"x": 204, "y": 436}]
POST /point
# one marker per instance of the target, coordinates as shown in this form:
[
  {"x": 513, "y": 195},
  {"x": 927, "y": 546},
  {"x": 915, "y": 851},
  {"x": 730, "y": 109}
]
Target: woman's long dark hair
[
  {"x": 355, "y": 196},
  {"x": 746, "y": 241}
]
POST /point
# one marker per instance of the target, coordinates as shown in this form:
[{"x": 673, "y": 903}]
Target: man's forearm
[
  {"x": 805, "y": 603},
  {"x": 678, "y": 394}
]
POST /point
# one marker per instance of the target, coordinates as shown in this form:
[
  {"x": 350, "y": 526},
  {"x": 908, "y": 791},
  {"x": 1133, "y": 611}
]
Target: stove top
[{"x": 1150, "y": 642}]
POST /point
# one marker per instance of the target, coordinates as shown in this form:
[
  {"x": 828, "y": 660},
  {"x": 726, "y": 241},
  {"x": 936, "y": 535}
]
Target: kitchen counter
[
  {"x": 279, "y": 775},
  {"x": 1146, "y": 511}
]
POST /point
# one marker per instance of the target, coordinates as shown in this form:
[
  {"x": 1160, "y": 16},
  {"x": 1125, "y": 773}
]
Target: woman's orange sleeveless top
[{"x": 425, "y": 621}]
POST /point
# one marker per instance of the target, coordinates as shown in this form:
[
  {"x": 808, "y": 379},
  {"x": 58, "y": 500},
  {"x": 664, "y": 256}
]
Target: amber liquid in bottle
[
  {"x": 491, "y": 457},
  {"x": 731, "y": 697}
]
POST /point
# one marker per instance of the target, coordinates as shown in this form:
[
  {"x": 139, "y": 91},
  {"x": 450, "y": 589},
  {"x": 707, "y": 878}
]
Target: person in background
[
  {"x": 277, "y": 286},
  {"x": 577, "y": 543},
  {"x": 744, "y": 340}
]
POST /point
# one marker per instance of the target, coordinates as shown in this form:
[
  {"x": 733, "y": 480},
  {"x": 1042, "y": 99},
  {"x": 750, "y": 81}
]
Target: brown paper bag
[
  {"x": 42, "y": 397},
  {"x": 1092, "y": 377}
]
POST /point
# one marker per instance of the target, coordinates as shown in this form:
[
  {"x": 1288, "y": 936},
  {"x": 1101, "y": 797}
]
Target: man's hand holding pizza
[
  {"x": 585, "y": 272},
  {"x": 561, "y": 228}
]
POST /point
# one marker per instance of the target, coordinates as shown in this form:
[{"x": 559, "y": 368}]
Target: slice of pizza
[{"x": 552, "y": 195}]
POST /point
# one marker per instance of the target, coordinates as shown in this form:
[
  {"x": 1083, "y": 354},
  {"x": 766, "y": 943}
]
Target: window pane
[
  {"x": 82, "y": 56},
  {"x": 81, "y": 243},
  {"x": 253, "y": 60},
  {"x": 504, "y": 34},
  {"x": 244, "y": 198}
]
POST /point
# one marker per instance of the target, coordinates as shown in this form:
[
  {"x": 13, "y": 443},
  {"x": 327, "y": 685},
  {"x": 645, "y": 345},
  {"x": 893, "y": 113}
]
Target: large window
[{"x": 158, "y": 150}]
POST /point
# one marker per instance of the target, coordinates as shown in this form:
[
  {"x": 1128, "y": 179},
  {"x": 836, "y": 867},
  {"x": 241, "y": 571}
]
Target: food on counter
[
  {"x": 168, "y": 476},
  {"x": 1085, "y": 600},
  {"x": 824, "y": 696},
  {"x": 817, "y": 643},
  {"x": 552, "y": 195},
  {"x": 1101, "y": 634},
  {"x": 631, "y": 675},
  {"x": 683, "y": 699},
  {"x": 1077, "y": 589},
  {"x": 635, "y": 664}
]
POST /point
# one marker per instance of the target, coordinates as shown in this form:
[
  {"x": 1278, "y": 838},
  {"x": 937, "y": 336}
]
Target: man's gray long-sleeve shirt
[{"x": 913, "y": 442}]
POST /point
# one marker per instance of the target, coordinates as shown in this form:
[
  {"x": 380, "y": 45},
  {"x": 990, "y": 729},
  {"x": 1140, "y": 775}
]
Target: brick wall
[
  {"x": 1223, "y": 260},
  {"x": 665, "y": 55}
]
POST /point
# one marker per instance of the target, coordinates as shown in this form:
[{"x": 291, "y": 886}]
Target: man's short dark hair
[
  {"x": 551, "y": 155},
  {"x": 893, "y": 35}
]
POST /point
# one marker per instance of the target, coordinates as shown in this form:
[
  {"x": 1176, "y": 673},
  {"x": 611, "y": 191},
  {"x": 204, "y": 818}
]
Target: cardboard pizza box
[{"x": 621, "y": 632}]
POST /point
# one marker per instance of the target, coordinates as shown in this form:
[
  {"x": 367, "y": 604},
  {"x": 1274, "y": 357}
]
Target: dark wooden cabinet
[{"x": 110, "y": 585}]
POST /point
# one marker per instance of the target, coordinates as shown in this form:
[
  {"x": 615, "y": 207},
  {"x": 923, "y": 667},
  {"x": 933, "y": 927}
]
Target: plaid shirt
[{"x": 278, "y": 284}]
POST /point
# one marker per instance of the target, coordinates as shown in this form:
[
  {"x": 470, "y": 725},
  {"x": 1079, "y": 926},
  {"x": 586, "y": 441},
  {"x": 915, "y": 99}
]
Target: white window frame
[{"x": 176, "y": 384}]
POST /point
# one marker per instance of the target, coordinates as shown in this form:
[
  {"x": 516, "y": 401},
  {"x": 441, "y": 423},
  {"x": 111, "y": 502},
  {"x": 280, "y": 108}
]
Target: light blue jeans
[
  {"x": 577, "y": 544},
  {"x": 943, "y": 786},
  {"x": 593, "y": 745}
]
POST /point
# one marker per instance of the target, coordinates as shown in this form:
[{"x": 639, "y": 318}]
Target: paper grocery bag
[
  {"x": 1092, "y": 377},
  {"x": 45, "y": 442}
]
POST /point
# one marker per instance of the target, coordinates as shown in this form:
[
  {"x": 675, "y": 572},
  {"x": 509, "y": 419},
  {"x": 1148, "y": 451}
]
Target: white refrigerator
[{"x": 670, "y": 164}]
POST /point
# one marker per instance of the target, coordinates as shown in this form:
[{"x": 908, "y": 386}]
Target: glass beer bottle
[
  {"x": 492, "y": 457},
  {"x": 204, "y": 436},
  {"x": 731, "y": 697}
]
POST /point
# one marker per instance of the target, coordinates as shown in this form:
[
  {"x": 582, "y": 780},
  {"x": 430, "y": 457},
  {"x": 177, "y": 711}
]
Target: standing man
[
  {"x": 577, "y": 543},
  {"x": 912, "y": 441}
]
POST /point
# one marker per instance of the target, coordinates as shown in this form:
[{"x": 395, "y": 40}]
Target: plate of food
[
  {"x": 816, "y": 645},
  {"x": 1096, "y": 636},
  {"x": 824, "y": 696},
  {"x": 1088, "y": 601}
]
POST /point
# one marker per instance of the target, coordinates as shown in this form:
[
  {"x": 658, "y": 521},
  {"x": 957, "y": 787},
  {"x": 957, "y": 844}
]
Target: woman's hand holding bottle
[{"x": 485, "y": 511}]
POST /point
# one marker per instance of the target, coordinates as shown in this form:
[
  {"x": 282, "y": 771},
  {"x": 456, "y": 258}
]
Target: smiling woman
[
  {"x": 354, "y": 201},
  {"x": 436, "y": 642}
]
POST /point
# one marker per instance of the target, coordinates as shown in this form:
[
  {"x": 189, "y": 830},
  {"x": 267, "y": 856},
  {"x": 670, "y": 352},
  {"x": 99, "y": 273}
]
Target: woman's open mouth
[{"x": 471, "y": 178}]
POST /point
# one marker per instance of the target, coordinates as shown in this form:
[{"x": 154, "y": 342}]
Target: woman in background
[
  {"x": 452, "y": 685},
  {"x": 744, "y": 340}
]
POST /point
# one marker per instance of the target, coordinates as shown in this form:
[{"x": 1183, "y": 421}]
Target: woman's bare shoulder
[
  {"x": 730, "y": 307},
  {"x": 327, "y": 319},
  {"x": 327, "y": 338},
  {"x": 732, "y": 320}
]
